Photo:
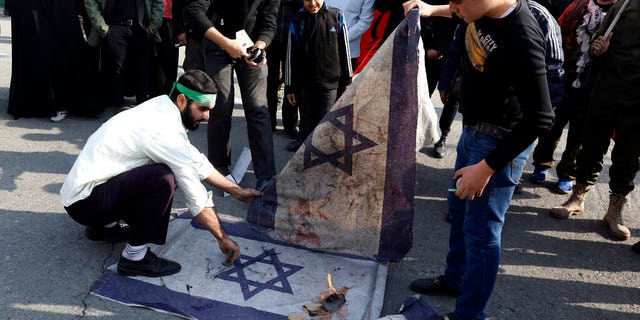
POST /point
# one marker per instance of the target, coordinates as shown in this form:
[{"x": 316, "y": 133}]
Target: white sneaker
[{"x": 60, "y": 115}]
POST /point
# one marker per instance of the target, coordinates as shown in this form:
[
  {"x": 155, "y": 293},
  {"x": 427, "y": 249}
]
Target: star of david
[
  {"x": 250, "y": 287},
  {"x": 341, "y": 159}
]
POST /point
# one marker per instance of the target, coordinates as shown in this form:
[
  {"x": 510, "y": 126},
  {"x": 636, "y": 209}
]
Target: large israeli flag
[
  {"x": 271, "y": 280},
  {"x": 350, "y": 187}
]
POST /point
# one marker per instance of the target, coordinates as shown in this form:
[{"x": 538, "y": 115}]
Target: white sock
[
  {"x": 111, "y": 225},
  {"x": 134, "y": 253}
]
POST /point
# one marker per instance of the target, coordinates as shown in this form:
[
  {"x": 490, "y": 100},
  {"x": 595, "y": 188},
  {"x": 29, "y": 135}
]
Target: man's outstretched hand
[{"x": 228, "y": 246}]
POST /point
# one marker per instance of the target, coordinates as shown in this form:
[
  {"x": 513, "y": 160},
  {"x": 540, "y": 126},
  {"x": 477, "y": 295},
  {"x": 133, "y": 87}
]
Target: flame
[{"x": 331, "y": 284}]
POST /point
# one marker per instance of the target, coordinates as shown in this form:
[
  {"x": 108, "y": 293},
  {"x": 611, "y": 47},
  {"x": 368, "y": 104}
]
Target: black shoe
[
  {"x": 636, "y": 247},
  {"x": 150, "y": 266},
  {"x": 293, "y": 146},
  {"x": 115, "y": 234},
  {"x": 224, "y": 170},
  {"x": 434, "y": 286},
  {"x": 292, "y": 133},
  {"x": 439, "y": 149},
  {"x": 446, "y": 316}
]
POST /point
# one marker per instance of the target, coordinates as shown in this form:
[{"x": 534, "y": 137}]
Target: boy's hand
[
  {"x": 444, "y": 96},
  {"x": 433, "y": 54},
  {"x": 474, "y": 179},
  {"x": 425, "y": 9},
  {"x": 291, "y": 97},
  {"x": 182, "y": 38}
]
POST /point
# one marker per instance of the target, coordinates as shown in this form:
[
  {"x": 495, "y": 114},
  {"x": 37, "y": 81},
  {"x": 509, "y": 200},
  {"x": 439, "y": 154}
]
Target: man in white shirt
[{"x": 130, "y": 168}]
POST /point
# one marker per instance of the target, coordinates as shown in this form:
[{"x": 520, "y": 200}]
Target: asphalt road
[{"x": 550, "y": 269}]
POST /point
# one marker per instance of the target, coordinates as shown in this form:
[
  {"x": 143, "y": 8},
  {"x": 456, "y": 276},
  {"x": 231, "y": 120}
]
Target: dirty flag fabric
[
  {"x": 271, "y": 280},
  {"x": 350, "y": 187},
  {"x": 414, "y": 307}
]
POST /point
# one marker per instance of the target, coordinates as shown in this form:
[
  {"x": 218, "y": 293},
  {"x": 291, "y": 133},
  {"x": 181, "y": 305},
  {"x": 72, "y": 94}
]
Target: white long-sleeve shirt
[
  {"x": 359, "y": 15},
  {"x": 149, "y": 133}
]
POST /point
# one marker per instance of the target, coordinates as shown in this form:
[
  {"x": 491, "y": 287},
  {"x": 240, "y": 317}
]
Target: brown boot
[
  {"x": 613, "y": 218},
  {"x": 575, "y": 205}
]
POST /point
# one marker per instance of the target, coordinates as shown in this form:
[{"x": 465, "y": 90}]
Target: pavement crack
[{"x": 103, "y": 268}]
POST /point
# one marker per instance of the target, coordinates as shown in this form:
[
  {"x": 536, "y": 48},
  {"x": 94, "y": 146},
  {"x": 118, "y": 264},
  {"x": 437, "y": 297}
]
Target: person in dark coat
[
  {"x": 51, "y": 67},
  {"x": 276, "y": 54},
  {"x": 226, "y": 54}
]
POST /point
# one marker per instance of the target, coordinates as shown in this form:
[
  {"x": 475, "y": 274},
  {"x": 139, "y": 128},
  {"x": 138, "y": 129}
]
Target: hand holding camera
[{"x": 255, "y": 54}]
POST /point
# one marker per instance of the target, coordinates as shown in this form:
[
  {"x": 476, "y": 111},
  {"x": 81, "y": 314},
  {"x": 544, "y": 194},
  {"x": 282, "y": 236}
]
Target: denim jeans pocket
[
  {"x": 511, "y": 173},
  {"x": 485, "y": 141}
]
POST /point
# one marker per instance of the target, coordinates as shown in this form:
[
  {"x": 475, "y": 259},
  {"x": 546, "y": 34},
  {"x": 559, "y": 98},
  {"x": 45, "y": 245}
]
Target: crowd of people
[{"x": 517, "y": 70}]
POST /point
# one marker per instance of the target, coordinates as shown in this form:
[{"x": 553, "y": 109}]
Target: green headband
[{"x": 204, "y": 98}]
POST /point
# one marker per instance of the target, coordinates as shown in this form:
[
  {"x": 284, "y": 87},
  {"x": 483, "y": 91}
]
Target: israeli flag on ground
[
  {"x": 350, "y": 187},
  {"x": 271, "y": 280}
]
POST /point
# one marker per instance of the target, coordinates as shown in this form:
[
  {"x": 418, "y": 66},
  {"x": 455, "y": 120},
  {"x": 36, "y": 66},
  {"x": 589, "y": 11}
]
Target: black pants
[
  {"x": 193, "y": 54},
  {"x": 434, "y": 68},
  {"x": 164, "y": 69},
  {"x": 606, "y": 114},
  {"x": 276, "y": 55},
  {"x": 572, "y": 111},
  {"x": 141, "y": 197},
  {"x": 122, "y": 47},
  {"x": 450, "y": 108},
  {"x": 253, "y": 88},
  {"x": 314, "y": 105}
]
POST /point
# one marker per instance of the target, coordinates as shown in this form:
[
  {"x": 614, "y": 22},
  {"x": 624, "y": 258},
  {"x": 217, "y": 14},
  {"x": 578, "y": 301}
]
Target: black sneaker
[
  {"x": 118, "y": 233},
  {"x": 440, "y": 149},
  {"x": 434, "y": 286},
  {"x": 294, "y": 145},
  {"x": 150, "y": 266}
]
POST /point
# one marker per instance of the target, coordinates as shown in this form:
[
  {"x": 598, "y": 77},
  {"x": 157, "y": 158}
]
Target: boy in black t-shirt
[{"x": 506, "y": 107}]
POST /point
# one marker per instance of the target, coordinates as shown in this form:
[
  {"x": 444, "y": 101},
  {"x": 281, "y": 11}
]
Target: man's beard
[{"x": 188, "y": 120}]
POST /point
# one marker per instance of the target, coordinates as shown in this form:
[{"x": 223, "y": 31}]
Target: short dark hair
[{"x": 196, "y": 80}]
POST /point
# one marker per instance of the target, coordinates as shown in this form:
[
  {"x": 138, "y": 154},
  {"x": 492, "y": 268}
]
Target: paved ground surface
[{"x": 550, "y": 269}]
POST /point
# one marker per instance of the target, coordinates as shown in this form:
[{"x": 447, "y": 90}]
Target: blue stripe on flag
[
  {"x": 397, "y": 218},
  {"x": 119, "y": 288}
]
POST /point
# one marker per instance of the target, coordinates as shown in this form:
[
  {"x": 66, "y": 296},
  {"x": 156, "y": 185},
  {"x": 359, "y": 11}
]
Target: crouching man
[{"x": 130, "y": 168}]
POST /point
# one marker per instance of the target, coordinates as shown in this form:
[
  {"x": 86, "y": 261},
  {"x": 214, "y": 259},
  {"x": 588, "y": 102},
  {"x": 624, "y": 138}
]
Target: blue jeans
[{"x": 476, "y": 226}]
